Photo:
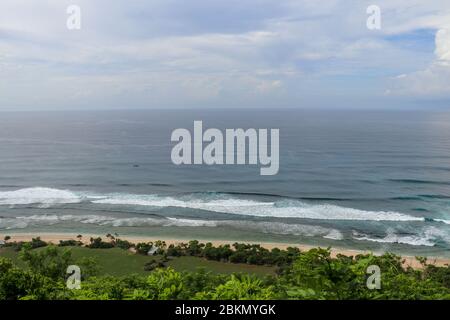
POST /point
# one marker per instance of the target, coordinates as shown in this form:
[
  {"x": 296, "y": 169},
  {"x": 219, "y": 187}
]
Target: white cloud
[
  {"x": 443, "y": 44},
  {"x": 203, "y": 53},
  {"x": 434, "y": 81}
]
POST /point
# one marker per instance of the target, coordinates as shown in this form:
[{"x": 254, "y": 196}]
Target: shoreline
[{"x": 54, "y": 238}]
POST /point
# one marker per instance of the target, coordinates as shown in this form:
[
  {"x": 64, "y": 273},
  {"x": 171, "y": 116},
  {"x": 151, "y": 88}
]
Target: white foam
[
  {"x": 103, "y": 221},
  {"x": 442, "y": 220},
  {"x": 280, "y": 228},
  {"x": 24, "y": 222},
  {"x": 43, "y": 196},
  {"x": 334, "y": 235},
  {"x": 282, "y": 209},
  {"x": 190, "y": 223},
  {"x": 229, "y": 205},
  {"x": 427, "y": 238},
  {"x": 411, "y": 240},
  {"x": 256, "y": 226},
  {"x": 8, "y": 224}
]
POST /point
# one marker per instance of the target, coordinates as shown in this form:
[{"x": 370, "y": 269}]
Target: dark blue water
[{"x": 374, "y": 180}]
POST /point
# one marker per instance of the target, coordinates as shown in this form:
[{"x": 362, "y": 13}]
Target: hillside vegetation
[{"x": 117, "y": 269}]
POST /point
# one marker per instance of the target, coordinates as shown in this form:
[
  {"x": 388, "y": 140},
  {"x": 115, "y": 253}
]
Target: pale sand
[{"x": 56, "y": 237}]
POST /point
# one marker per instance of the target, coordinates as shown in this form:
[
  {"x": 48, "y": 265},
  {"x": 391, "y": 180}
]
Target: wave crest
[
  {"x": 257, "y": 226},
  {"x": 279, "y": 209},
  {"x": 220, "y": 203},
  {"x": 429, "y": 237},
  {"x": 43, "y": 196}
]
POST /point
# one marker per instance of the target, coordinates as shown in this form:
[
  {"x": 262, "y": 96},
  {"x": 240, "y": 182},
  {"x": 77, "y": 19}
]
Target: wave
[
  {"x": 421, "y": 197},
  {"x": 43, "y": 196},
  {"x": 429, "y": 237},
  {"x": 279, "y": 209},
  {"x": 442, "y": 220},
  {"x": 420, "y": 181},
  {"x": 434, "y": 196},
  {"x": 410, "y": 240},
  {"x": 257, "y": 226},
  {"x": 213, "y": 202},
  {"x": 274, "y": 195},
  {"x": 334, "y": 235}
]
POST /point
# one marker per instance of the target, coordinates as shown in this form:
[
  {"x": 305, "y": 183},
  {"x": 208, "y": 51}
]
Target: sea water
[{"x": 377, "y": 180}]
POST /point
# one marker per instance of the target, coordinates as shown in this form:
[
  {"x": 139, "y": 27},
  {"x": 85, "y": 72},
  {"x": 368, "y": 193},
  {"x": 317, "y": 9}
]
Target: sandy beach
[{"x": 56, "y": 237}]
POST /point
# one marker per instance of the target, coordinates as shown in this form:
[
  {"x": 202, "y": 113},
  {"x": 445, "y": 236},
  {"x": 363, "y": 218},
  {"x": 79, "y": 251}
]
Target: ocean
[{"x": 375, "y": 180}]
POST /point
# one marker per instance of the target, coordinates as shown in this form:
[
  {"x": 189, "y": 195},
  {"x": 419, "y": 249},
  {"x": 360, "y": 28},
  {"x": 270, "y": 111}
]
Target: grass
[
  {"x": 119, "y": 262},
  {"x": 115, "y": 261},
  {"x": 193, "y": 263},
  {"x": 11, "y": 254}
]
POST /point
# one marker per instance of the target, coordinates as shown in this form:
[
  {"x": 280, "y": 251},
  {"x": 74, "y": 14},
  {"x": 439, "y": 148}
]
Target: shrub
[
  {"x": 69, "y": 243},
  {"x": 49, "y": 262},
  {"x": 98, "y": 243},
  {"x": 123, "y": 244},
  {"x": 144, "y": 247}
]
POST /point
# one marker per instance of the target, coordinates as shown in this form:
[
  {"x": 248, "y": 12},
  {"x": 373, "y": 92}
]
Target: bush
[
  {"x": 314, "y": 274},
  {"x": 38, "y": 243},
  {"x": 123, "y": 244},
  {"x": 152, "y": 265},
  {"x": 69, "y": 243},
  {"x": 98, "y": 243},
  {"x": 240, "y": 288},
  {"x": 49, "y": 262},
  {"x": 144, "y": 247}
]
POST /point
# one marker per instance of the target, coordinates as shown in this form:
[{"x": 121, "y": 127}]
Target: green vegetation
[
  {"x": 191, "y": 264},
  {"x": 118, "y": 269},
  {"x": 118, "y": 262}
]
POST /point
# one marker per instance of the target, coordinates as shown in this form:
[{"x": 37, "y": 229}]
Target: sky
[{"x": 224, "y": 54}]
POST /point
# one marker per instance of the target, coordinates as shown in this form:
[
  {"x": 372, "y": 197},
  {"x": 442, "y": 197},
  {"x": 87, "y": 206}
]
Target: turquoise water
[{"x": 371, "y": 180}]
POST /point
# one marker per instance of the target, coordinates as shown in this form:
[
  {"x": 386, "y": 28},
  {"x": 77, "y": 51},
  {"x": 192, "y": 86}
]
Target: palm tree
[{"x": 109, "y": 236}]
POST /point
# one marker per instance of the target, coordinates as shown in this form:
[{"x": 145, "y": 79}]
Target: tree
[
  {"x": 89, "y": 267},
  {"x": 110, "y": 237},
  {"x": 98, "y": 243},
  {"x": 243, "y": 287},
  {"x": 144, "y": 247},
  {"x": 37, "y": 243},
  {"x": 164, "y": 284},
  {"x": 17, "y": 284},
  {"x": 49, "y": 262},
  {"x": 316, "y": 275}
]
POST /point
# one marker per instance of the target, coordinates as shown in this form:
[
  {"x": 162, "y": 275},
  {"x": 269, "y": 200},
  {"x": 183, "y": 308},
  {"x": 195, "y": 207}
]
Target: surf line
[{"x": 190, "y": 150}]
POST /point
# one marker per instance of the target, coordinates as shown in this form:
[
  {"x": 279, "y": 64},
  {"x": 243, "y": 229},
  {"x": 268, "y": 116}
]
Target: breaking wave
[
  {"x": 429, "y": 237},
  {"x": 220, "y": 203},
  {"x": 43, "y": 196},
  {"x": 258, "y": 226},
  {"x": 278, "y": 209}
]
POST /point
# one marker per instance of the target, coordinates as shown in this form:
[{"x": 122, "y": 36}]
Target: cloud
[
  {"x": 443, "y": 44},
  {"x": 432, "y": 82},
  {"x": 253, "y": 53}
]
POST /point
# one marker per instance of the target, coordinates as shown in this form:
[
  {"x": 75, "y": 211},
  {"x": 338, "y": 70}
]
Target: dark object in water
[{"x": 135, "y": 166}]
